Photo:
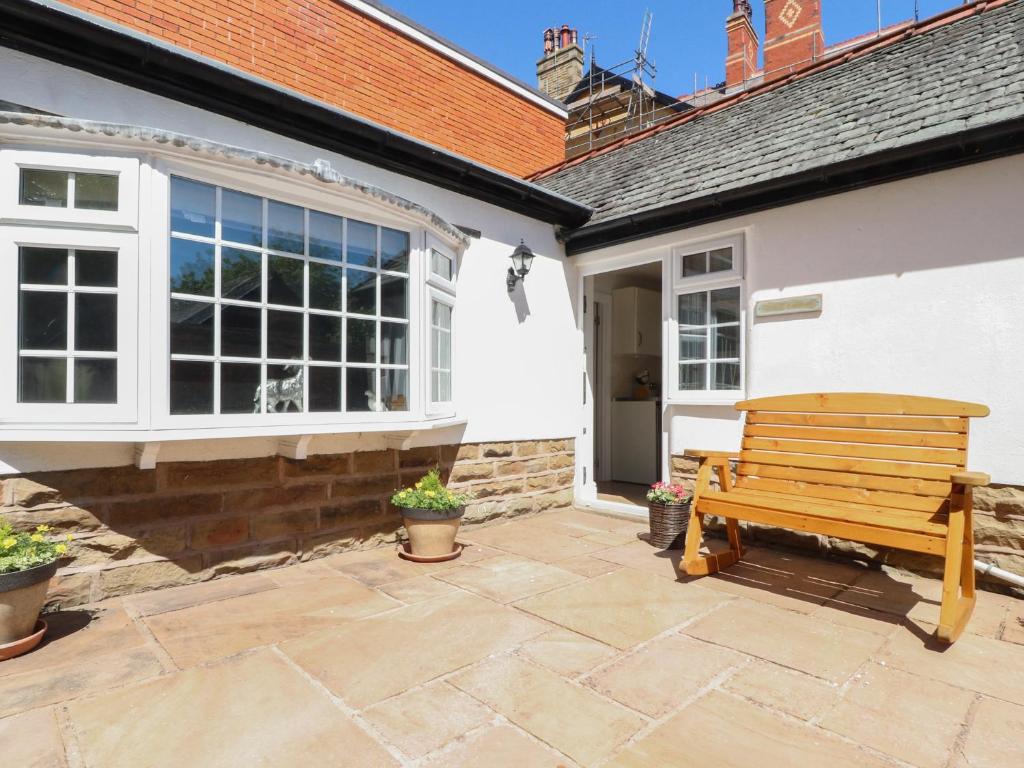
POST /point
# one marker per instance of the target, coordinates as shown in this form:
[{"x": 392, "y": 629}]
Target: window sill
[
  {"x": 731, "y": 400},
  {"x": 92, "y": 434}
]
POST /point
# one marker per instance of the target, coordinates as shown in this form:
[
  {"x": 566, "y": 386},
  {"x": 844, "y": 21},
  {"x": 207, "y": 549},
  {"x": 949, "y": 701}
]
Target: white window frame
[
  {"x": 126, "y": 246},
  {"x": 705, "y": 283},
  {"x": 295, "y": 194},
  {"x": 125, "y": 218},
  {"x": 442, "y": 291}
]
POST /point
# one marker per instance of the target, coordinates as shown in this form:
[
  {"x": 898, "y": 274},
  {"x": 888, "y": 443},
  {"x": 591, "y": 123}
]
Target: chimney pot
[
  {"x": 566, "y": 36},
  {"x": 549, "y": 40}
]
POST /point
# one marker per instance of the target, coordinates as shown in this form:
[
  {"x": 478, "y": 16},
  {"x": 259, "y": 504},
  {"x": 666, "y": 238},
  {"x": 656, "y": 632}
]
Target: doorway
[{"x": 624, "y": 361}]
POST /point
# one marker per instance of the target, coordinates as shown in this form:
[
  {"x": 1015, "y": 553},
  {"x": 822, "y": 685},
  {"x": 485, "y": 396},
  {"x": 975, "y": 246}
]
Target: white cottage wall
[
  {"x": 921, "y": 283},
  {"x": 517, "y": 355}
]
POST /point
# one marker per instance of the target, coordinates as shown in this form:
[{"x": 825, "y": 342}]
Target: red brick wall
[{"x": 328, "y": 51}]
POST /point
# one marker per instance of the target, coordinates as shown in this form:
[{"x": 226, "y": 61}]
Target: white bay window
[{"x": 222, "y": 302}]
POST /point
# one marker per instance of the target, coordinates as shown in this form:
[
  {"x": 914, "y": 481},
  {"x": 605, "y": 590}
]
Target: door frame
[{"x": 585, "y": 486}]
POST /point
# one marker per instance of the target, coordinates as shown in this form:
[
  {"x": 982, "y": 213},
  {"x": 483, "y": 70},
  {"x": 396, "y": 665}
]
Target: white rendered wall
[
  {"x": 923, "y": 290},
  {"x": 518, "y": 356}
]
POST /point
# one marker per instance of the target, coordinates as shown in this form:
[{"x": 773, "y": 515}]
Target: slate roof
[{"x": 942, "y": 77}]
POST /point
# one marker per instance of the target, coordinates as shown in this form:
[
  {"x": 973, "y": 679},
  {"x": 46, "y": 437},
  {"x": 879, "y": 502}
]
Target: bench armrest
[
  {"x": 970, "y": 478},
  {"x": 711, "y": 454}
]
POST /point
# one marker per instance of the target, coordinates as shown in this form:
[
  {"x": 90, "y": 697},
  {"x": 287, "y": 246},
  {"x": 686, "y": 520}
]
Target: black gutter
[
  {"x": 75, "y": 39},
  {"x": 973, "y": 146}
]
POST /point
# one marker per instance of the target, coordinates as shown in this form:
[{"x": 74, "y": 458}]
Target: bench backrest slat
[{"x": 895, "y": 451}]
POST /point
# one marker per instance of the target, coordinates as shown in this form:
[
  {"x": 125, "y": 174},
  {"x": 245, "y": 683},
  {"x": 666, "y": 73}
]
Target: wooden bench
[{"x": 887, "y": 470}]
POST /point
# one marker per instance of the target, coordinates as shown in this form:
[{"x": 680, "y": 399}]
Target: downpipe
[{"x": 990, "y": 570}]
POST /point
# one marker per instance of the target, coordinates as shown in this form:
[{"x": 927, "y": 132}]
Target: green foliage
[
  {"x": 21, "y": 551},
  {"x": 429, "y": 493}
]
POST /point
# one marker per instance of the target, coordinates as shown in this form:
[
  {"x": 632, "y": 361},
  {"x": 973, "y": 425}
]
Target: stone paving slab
[
  {"x": 250, "y": 710},
  {"x": 552, "y": 645}
]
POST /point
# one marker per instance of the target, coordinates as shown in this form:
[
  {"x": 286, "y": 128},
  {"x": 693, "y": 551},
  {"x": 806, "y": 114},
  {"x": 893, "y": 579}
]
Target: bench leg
[
  {"x": 694, "y": 563},
  {"x": 958, "y": 581}
]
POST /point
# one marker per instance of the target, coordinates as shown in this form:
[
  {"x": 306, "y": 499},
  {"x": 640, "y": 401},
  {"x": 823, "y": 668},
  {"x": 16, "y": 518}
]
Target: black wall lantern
[{"x": 522, "y": 260}]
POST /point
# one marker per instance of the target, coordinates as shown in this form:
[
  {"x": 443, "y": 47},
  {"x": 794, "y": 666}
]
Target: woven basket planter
[{"x": 668, "y": 524}]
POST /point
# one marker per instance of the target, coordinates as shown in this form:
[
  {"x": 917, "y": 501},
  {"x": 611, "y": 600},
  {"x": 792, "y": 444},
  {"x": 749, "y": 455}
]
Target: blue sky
[{"x": 688, "y": 35}]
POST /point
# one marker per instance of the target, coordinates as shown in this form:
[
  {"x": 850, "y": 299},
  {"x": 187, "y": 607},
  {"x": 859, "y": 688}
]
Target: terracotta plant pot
[
  {"x": 432, "y": 532},
  {"x": 668, "y": 524},
  {"x": 22, "y": 595}
]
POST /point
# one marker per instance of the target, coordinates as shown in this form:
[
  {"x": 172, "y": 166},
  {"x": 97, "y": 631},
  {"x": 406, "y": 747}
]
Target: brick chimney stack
[
  {"x": 794, "y": 36},
  {"x": 739, "y": 29},
  {"x": 561, "y": 69}
]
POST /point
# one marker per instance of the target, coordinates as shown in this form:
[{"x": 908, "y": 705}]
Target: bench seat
[{"x": 884, "y": 470}]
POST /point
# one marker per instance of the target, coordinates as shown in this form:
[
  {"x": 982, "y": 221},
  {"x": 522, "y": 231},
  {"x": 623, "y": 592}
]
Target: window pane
[
  {"x": 441, "y": 265},
  {"x": 191, "y": 267},
  {"x": 96, "y": 381},
  {"x": 191, "y": 328},
  {"x": 361, "y": 392},
  {"x": 442, "y": 386},
  {"x": 727, "y": 341},
  {"x": 362, "y": 292},
  {"x": 362, "y": 341},
  {"x": 362, "y": 243},
  {"x": 96, "y": 191},
  {"x": 42, "y": 380},
  {"x": 325, "y": 287},
  {"x": 692, "y": 376},
  {"x": 284, "y": 281},
  {"x": 284, "y": 388},
  {"x": 239, "y": 388},
  {"x": 394, "y": 250},
  {"x": 693, "y": 345},
  {"x": 241, "y": 275},
  {"x": 444, "y": 350},
  {"x": 191, "y": 387},
  {"x": 325, "y": 338},
  {"x": 725, "y": 305},
  {"x": 240, "y": 332},
  {"x": 287, "y": 227},
  {"x": 45, "y": 188},
  {"x": 193, "y": 207},
  {"x": 96, "y": 269},
  {"x": 695, "y": 264},
  {"x": 394, "y": 296},
  {"x": 395, "y": 389},
  {"x": 693, "y": 309},
  {"x": 43, "y": 321},
  {"x": 43, "y": 266},
  {"x": 720, "y": 260},
  {"x": 324, "y": 390},
  {"x": 241, "y": 218},
  {"x": 725, "y": 376},
  {"x": 394, "y": 344},
  {"x": 325, "y": 236},
  {"x": 284, "y": 335},
  {"x": 442, "y": 315},
  {"x": 96, "y": 322}
]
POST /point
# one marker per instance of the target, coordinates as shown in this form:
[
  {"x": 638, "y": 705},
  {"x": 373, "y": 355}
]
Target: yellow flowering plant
[
  {"x": 429, "y": 493},
  {"x": 21, "y": 550}
]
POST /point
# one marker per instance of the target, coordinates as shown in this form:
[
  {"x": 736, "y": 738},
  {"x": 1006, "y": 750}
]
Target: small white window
[
  {"x": 442, "y": 265},
  {"x": 441, "y": 314},
  {"x": 707, "y": 359},
  {"x": 66, "y": 189}
]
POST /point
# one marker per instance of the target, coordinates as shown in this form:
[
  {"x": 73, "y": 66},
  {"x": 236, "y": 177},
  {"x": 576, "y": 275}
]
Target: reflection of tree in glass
[
  {"x": 284, "y": 281},
  {"x": 194, "y": 277}
]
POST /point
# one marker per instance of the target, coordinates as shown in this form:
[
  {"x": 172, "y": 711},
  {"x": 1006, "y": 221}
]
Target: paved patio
[{"x": 559, "y": 640}]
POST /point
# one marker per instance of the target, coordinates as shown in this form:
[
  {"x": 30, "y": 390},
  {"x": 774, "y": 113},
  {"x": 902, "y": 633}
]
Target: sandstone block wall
[
  {"x": 998, "y": 532},
  {"x": 184, "y": 522}
]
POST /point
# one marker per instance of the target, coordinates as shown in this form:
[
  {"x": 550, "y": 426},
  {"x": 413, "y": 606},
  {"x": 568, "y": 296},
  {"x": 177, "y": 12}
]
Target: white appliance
[{"x": 635, "y": 441}]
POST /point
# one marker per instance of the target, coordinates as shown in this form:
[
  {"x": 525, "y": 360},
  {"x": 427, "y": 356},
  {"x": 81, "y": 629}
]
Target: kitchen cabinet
[{"x": 636, "y": 316}]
